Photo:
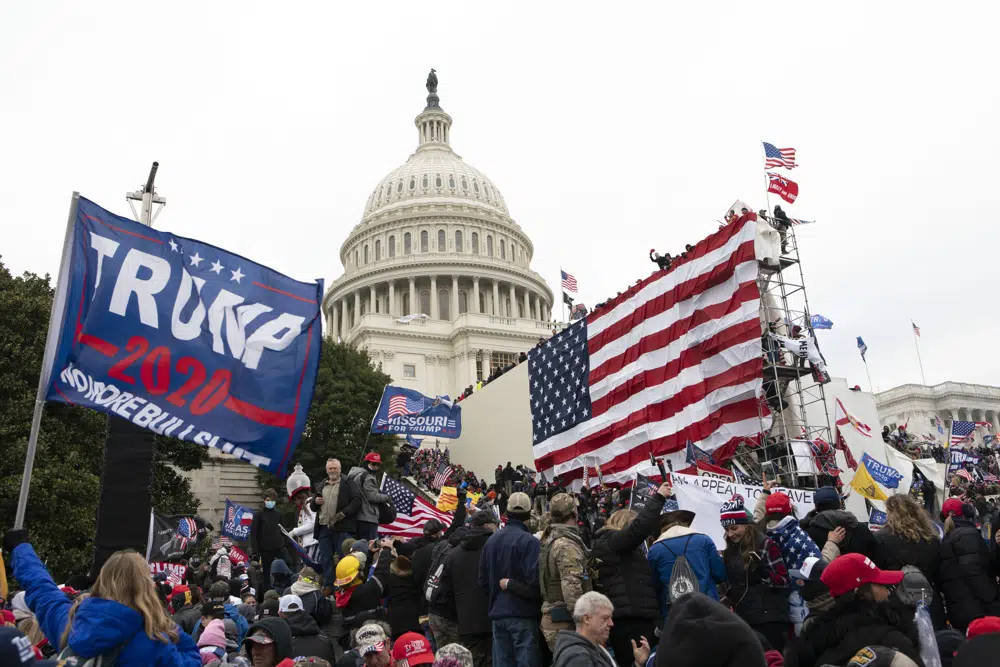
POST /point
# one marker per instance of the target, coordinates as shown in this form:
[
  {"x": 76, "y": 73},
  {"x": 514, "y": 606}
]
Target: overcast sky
[{"x": 610, "y": 128}]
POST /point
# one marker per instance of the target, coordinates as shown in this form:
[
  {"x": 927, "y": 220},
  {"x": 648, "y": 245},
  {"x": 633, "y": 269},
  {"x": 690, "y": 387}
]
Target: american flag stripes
[
  {"x": 443, "y": 473},
  {"x": 778, "y": 157},
  {"x": 916, "y": 329},
  {"x": 568, "y": 282},
  {"x": 675, "y": 358},
  {"x": 961, "y": 431},
  {"x": 400, "y": 406},
  {"x": 412, "y": 512}
]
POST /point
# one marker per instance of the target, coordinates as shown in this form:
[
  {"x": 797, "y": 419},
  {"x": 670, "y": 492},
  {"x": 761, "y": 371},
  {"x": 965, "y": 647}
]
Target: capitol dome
[{"x": 437, "y": 283}]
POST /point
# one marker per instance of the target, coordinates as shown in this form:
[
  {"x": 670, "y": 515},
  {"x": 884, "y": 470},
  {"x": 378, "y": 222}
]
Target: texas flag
[
  {"x": 247, "y": 518},
  {"x": 783, "y": 187}
]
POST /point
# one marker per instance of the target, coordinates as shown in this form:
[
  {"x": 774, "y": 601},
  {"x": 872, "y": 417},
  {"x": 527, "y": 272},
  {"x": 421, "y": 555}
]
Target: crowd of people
[{"x": 556, "y": 578}]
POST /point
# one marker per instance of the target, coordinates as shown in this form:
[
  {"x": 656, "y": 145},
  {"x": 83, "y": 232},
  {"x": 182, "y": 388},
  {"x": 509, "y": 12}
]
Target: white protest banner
[{"x": 704, "y": 496}]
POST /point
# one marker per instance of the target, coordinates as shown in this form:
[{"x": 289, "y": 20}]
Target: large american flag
[
  {"x": 400, "y": 406},
  {"x": 778, "y": 157},
  {"x": 568, "y": 282},
  {"x": 675, "y": 358},
  {"x": 412, "y": 512},
  {"x": 961, "y": 431}
]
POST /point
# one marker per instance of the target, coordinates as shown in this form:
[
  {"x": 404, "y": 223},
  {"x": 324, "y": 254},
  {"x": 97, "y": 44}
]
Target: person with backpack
[
  {"x": 314, "y": 602},
  {"x": 402, "y": 595},
  {"x": 756, "y": 573},
  {"x": 364, "y": 479},
  {"x": 461, "y": 579},
  {"x": 683, "y": 561},
  {"x": 120, "y": 622},
  {"x": 563, "y": 570},
  {"x": 967, "y": 568},
  {"x": 624, "y": 574},
  {"x": 426, "y": 550},
  {"x": 830, "y": 515}
]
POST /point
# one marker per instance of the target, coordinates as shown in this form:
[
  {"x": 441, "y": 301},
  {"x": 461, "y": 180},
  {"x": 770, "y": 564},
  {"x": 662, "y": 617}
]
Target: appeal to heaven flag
[
  {"x": 184, "y": 338},
  {"x": 675, "y": 357},
  {"x": 866, "y": 486}
]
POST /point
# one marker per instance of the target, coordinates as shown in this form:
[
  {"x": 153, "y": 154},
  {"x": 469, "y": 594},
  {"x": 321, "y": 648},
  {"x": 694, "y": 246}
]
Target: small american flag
[
  {"x": 797, "y": 221},
  {"x": 778, "y": 157},
  {"x": 940, "y": 426},
  {"x": 412, "y": 512},
  {"x": 960, "y": 432},
  {"x": 916, "y": 329},
  {"x": 568, "y": 282},
  {"x": 400, "y": 406},
  {"x": 443, "y": 473}
]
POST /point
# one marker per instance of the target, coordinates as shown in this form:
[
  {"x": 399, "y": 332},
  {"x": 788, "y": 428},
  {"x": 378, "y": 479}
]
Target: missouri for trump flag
[{"x": 676, "y": 358}]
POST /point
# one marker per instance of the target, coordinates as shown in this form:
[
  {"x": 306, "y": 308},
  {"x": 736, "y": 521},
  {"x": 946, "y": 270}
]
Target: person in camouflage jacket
[{"x": 562, "y": 568}]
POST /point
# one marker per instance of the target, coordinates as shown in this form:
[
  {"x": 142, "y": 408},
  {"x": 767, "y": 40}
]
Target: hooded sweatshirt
[
  {"x": 212, "y": 642},
  {"x": 306, "y": 637},
  {"x": 278, "y": 629},
  {"x": 99, "y": 626},
  {"x": 700, "y": 631}
]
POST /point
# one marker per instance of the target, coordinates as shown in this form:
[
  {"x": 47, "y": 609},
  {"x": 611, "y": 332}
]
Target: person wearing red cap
[
  {"x": 412, "y": 649},
  {"x": 862, "y": 615},
  {"x": 967, "y": 571},
  {"x": 364, "y": 479}
]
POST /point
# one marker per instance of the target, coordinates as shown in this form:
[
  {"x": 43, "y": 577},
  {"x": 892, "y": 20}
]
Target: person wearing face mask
[
  {"x": 862, "y": 615},
  {"x": 266, "y": 538}
]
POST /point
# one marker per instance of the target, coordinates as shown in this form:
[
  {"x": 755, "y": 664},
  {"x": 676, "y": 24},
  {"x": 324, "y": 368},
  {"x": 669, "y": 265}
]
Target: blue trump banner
[
  {"x": 885, "y": 475},
  {"x": 877, "y": 517},
  {"x": 237, "y": 522},
  {"x": 406, "y": 411},
  {"x": 185, "y": 339}
]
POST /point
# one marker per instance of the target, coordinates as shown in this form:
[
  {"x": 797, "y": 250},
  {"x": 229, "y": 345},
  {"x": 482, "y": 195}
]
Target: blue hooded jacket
[
  {"x": 701, "y": 553},
  {"x": 99, "y": 626},
  {"x": 511, "y": 553}
]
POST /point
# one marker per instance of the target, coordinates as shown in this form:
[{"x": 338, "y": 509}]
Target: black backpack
[
  {"x": 440, "y": 563},
  {"x": 386, "y": 513},
  {"x": 682, "y": 577},
  {"x": 69, "y": 658}
]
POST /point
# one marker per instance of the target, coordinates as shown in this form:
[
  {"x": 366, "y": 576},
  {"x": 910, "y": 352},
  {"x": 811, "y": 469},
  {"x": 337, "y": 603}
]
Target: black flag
[{"x": 175, "y": 537}]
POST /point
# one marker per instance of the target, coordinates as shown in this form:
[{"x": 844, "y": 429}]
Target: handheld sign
[{"x": 186, "y": 339}]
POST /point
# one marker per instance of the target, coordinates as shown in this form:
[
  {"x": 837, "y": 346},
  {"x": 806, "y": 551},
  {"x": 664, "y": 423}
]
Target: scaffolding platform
[
  {"x": 785, "y": 373},
  {"x": 783, "y": 263}
]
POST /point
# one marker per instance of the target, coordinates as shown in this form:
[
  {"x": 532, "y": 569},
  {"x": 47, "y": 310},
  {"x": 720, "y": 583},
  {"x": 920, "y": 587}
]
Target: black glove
[{"x": 14, "y": 537}]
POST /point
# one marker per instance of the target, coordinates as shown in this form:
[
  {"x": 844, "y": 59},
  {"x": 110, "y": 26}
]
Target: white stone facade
[
  {"x": 436, "y": 239},
  {"x": 918, "y": 405}
]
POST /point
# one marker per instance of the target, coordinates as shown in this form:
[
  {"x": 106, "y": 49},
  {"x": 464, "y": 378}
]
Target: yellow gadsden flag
[
  {"x": 866, "y": 486},
  {"x": 448, "y": 500}
]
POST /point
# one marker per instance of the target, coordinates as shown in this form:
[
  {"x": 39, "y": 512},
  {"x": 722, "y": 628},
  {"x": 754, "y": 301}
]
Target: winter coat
[
  {"x": 423, "y": 554},
  {"x": 834, "y": 637},
  {"x": 752, "y": 590},
  {"x": 279, "y": 631},
  {"x": 99, "y": 626},
  {"x": 265, "y": 532},
  {"x": 573, "y": 650},
  {"x": 623, "y": 571},
  {"x": 859, "y": 539},
  {"x": 472, "y": 602},
  {"x": 348, "y": 501},
  {"x": 361, "y": 603},
  {"x": 444, "y": 604},
  {"x": 307, "y": 640},
  {"x": 701, "y": 554},
  {"x": 562, "y": 569},
  {"x": 511, "y": 553},
  {"x": 967, "y": 574},
  {"x": 895, "y": 551},
  {"x": 305, "y": 530},
  {"x": 367, "y": 488},
  {"x": 187, "y": 616},
  {"x": 402, "y": 599}
]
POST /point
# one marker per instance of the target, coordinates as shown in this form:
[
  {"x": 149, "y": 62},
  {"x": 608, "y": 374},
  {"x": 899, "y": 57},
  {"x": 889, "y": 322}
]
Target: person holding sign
[{"x": 624, "y": 576}]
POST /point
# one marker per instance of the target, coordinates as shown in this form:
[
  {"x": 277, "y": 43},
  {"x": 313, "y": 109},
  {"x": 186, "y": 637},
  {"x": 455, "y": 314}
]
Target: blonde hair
[
  {"x": 29, "y": 626},
  {"x": 621, "y": 519},
  {"x": 906, "y": 518},
  {"x": 125, "y": 579},
  {"x": 949, "y": 524}
]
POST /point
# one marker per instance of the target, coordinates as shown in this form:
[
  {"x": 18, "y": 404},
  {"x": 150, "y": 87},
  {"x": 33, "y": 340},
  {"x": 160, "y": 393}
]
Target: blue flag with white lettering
[
  {"x": 406, "y": 411},
  {"x": 884, "y": 474},
  {"x": 236, "y": 524},
  {"x": 186, "y": 339}
]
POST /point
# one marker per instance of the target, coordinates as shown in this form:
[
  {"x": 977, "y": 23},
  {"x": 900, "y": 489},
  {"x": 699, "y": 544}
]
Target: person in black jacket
[
  {"x": 862, "y": 615},
  {"x": 508, "y": 479},
  {"x": 336, "y": 502},
  {"x": 307, "y": 639},
  {"x": 830, "y": 515},
  {"x": 423, "y": 549},
  {"x": 187, "y": 610},
  {"x": 968, "y": 568},
  {"x": 266, "y": 538},
  {"x": 624, "y": 575},
  {"x": 402, "y": 597},
  {"x": 461, "y": 583},
  {"x": 358, "y": 599},
  {"x": 909, "y": 538}
]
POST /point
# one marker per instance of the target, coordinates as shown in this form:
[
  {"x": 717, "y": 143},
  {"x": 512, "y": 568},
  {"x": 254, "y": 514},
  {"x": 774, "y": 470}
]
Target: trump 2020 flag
[
  {"x": 820, "y": 322},
  {"x": 237, "y": 521},
  {"x": 174, "y": 537},
  {"x": 185, "y": 339},
  {"x": 406, "y": 411}
]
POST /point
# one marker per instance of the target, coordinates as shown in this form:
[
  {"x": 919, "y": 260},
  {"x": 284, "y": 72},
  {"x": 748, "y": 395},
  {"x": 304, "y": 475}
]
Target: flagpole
[
  {"x": 562, "y": 296},
  {"x": 871, "y": 388},
  {"x": 919, "y": 361},
  {"x": 364, "y": 449},
  {"x": 59, "y": 301},
  {"x": 767, "y": 180}
]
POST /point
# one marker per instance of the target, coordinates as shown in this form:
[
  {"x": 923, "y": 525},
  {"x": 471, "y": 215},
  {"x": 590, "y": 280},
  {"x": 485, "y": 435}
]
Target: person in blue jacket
[
  {"x": 121, "y": 617},
  {"x": 677, "y": 538}
]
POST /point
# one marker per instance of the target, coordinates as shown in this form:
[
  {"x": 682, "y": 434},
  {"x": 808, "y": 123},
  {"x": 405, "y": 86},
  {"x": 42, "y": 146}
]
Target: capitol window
[
  {"x": 413, "y": 183},
  {"x": 503, "y": 251},
  {"x": 399, "y": 188},
  {"x": 459, "y": 247},
  {"x": 426, "y": 182},
  {"x": 356, "y": 263},
  {"x": 463, "y": 301},
  {"x": 465, "y": 184},
  {"x": 425, "y": 302},
  {"x": 475, "y": 243},
  {"x": 451, "y": 182},
  {"x": 489, "y": 246},
  {"x": 366, "y": 253},
  {"x": 437, "y": 181},
  {"x": 392, "y": 246},
  {"x": 444, "y": 305},
  {"x": 424, "y": 243},
  {"x": 442, "y": 241},
  {"x": 409, "y": 371},
  {"x": 388, "y": 191},
  {"x": 378, "y": 249},
  {"x": 475, "y": 185},
  {"x": 406, "y": 244}
]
